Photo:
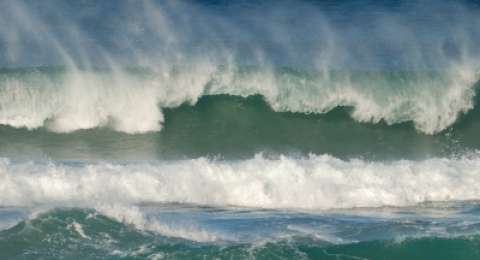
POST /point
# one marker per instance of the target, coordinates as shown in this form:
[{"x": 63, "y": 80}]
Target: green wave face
[
  {"x": 234, "y": 127},
  {"x": 46, "y": 111},
  {"x": 425, "y": 248}
]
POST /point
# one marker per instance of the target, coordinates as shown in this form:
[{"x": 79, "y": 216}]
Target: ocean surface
[{"x": 214, "y": 129}]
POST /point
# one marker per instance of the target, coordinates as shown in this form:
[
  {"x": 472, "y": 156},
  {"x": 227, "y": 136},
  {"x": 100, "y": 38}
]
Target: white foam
[
  {"x": 134, "y": 216},
  {"x": 316, "y": 182},
  {"x": 77, "y": 227},
  {"x": 127, "y": 103},
  {"x": 78, "y": 101}
]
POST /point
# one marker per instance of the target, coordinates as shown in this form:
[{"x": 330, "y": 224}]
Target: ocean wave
[
  {"x": 315, "y": 182},
  {"x": 413, "y": 65},
  {"x": 132, "y": 102},
  {"x": 86, "y": 234}
]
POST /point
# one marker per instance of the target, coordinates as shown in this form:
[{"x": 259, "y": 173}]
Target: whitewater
[
  {"x": 65, "y": 101},
  {"x": 312, "y": 183}
]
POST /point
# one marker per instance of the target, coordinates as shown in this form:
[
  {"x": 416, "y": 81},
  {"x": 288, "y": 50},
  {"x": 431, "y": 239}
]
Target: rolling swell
[{"x": 86, "y": 234}]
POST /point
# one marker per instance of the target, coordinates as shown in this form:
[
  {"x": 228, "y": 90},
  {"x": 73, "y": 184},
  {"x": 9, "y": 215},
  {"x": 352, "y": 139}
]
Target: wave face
[
  {"x": 231, "y": 127},
  {"x": 132, "y": 102}
]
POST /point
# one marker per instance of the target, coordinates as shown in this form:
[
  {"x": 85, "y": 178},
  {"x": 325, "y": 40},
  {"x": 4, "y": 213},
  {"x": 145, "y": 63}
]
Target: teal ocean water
[
  {"x": 239, "y": 129},
  {"x": 80, "y": 233}
]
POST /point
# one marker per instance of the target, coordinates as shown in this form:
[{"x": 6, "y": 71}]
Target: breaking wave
[
  {"x": 132, "y": 101},
  {"x": 315, "y": 182}
]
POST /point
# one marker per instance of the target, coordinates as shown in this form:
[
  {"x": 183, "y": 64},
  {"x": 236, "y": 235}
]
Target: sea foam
[
  {"x": 133, "y": 103},
  {"x": 311, "y": 183}
]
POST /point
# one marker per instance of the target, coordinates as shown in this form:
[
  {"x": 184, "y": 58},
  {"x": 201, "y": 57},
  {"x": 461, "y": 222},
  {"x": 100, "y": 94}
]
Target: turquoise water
[{"x": 78, "y": 233}]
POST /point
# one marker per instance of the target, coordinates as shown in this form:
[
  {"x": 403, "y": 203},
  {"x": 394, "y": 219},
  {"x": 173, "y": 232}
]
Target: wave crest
[{"x": 131, "y": 102}]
